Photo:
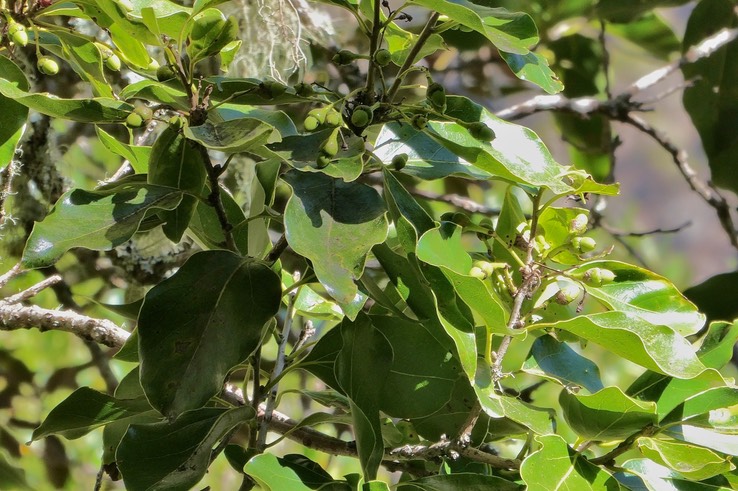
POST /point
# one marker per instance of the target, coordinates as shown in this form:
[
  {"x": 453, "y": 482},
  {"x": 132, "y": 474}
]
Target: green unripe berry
[
  {"x": 382, "y": 57},
  {"x": 144, "y": 111},
  {"x": 47, "y": 65},
  {"x": 476, "y": 272},
  {"x": 486, "y": 222},
  {"x": 578, "y": 224},
  {"x": 481, "y": 132},
  {"x": 486, "y": 266},
  {"x": 322, "y": 161},
  {"x": 304, "y": 90},
  {"x": 113, "y": 62},
  {"x": 17, "y": 33},
  {"x": 598, "y": 277},
  {"x": 134, "y": 120},
  {"x": 362, "y": 116},
  {"x": 420, "y": 121},
  {"x": 333, "y": 118},
  {"x": 165, "y": 72},
  {"x": 330, "y": 146},
  {"x": 344, "y": 57},
  {"x": 436, "y": 95},
  {"x": 318, "y": 114},
  {"x": 583, "y": 244},
  {"x": 567, "y": 294},
  {"x": 270, "y": 89},
  {"x": 399, "y": 161},
  {"x": 311, "y": 123}
]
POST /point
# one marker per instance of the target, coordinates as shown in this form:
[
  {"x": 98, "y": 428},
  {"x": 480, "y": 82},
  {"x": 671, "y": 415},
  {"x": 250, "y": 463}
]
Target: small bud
[
  {"x": 311, "y": 123},
  {"x": 333, "y": 117},
  {"x": 578, "y": 224},
  {"x": 598, "y": 277},
  {"x": 436, "y": 95},
  {"x": 476, "y": 272},
  {"x": 583, "y": 244},
  {"x": 344, "y": 57},
  {"x": 47, "y": 65},
  {"x": 481, "y": 132},
  {"x": 420, "y": 121},
  {"x": 568, "y": 294},
  {"x": 17, "y": 33},
  {"x": 304, "y": 90},
  {"x": 362, "y": 116},
  {"x": 113, "y": 62},
  {"x": 134, "y": 121}
]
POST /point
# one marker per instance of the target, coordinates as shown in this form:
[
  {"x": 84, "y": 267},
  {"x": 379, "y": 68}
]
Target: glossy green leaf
[
  {"x": 170, "y": 16},
  {"x": 97, "y": 220},
  {"x": 278, "y": 119},
  {"x": 210, "y": 32},
  {"x": 657, "y": 348},
  {"x": 82, "y": 55},
  {"x": 86, "y": 409},
  {"x": 716, "y": 346},
  {"x": 534, "y": 68},
  {"x": 334, "y": 224},
  {"x": 538, "y": 420},
  {"x": 442, "y": 246},
  {"x": 175, "y": 455},
  {"x": 427, "y": 159},
  {"x": 516, "y": 153},
  {"x": 137, "y": 155},
  {"x": 565, "y": 469},
  {"x": 152, "y": 90},
  {"x": 645, "y": 294},
  {"x": 553, "y": 224},
  {"x": 462, "y": 480},
  {"x": 232, "y": 136},
  {"x": 606, "y": 415},
  {"x": 513, "y": 32},
  {"x": 553, "y": 359},
  {"x": 400, "y": 43},
  {"x": 247, "y": 91},
  {"x": 712, "y": 99},
  {"x": 690, "y": 461},
  {"x": 178, "y": 163},
  {"x": 716, "y": 398},
  {"x": 659, "y": 478},
  {"x": 14, "y": 113},
  {"x": 704, "y": 435},
  {"x": 189, "y": 343},
  {"x": 97, "y": 110},
  {"x": 290, "y": 472},
  {"x": 410, "y": 219},
  {"x": 362, "y": 367}
]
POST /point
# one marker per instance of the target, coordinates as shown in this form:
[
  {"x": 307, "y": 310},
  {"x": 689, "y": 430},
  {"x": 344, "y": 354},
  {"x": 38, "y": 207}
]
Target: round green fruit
[
  {"x": 330, "y": 146},
  {"x": 304, "y": 90},
  {"x": 481, "y": 132},
  {"x": 598, "y": 277},
  {"x": 145, "y": 112},
  {"x": 476, "y": 272},
  {"x": 583, "y": 244},
  {"x": 17, "y": 33},
  {"x": 47, "y": 65},
  {"x": 486, "y": 266},
  {"x": 399, "y": 161},
  {"x": 382, "y": 57},
  {"x": 333, "y": 118},
  {"x": 362, "y": 116},
  {"x": 322, "y": 161},
  {"x": 311, "y": 123},
  {"x": 344, "y": 57},
  {"x": 272, "y": 89},
  {"x": 578, "y": 224},
  {"x": 567, "y": 294},
  {"x": 113, "y": 62},
  {"x": 165, "y": 72},
  {"x": 134, "y": 120}
]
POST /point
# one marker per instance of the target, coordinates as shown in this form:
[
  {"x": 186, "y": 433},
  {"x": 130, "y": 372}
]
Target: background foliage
[{"x": 350, "y": 253}]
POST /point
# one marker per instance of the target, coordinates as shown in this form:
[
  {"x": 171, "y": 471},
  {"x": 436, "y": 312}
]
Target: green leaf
[
  {"x": 649, "y": 32},
  {"x": 709, "y": 400},
  {"x": 290, "y": 472},
  {"x": 210, "y": 32},
  {"x": 516, "y": 153},
  {"x": 657, "y": 348},
  {"x": 693, "y": 462},
  {"x": 716, "y": 346},
  {"x": 334, "y": 224},
  {"x": 247, "y": 91},
  {"x": 232, "y": 136},
  {"x": 462, "y": 480},
  {"x": 82, "y": 55},
  {"x": 645, "y": 294},
  {"x": 606, "y": 415},
  {"x": 410, "y": 219},
  {"x": 99, "y": 220},
  {"x": 538, "y": 420},
  {"x": 534, "y": 68},
  {"x": 12, "y": 477},
  {"x": 205, "y": 225},
  {"x": 97, "y": 110},
  {"x": 659, "y": 478},
  {"x": 553, "y": 224},
  {"x": 151, "y": 90},
  {"x": 441, "y": 246},
  {"x": 513, "y": 32},
  {"x": 175, "y": 455},
  {"x": 178, "y": 163},
  {"x": 137, "y": 155},
  {"x": 713, "y": 296},
  {"x": 362, "y": 367},
  {"x": 427, "y": 159},
  {"x": 278, "y": 119},
  {"x": 565, "y": 469},
  {"x": 627, "y": 10},
  {"x": 189, "y": 343},
  {"x": 553, "y": 359},
  {"x": 712, "y": 99},
  {"x": 86, "y": 409},
  {"x": 14, "y": 113}
]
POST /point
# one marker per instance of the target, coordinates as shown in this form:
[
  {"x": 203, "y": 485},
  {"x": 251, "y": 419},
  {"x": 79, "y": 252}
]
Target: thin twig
[
  {"x": 655, "y": 231},
  {"x": 410, "y": 60},
  {"x": 215, "y": 200},
  {"x": 277, "y": 250},
  {"x": 33, "y": 290},
  {"x": 10, "y": 274}
]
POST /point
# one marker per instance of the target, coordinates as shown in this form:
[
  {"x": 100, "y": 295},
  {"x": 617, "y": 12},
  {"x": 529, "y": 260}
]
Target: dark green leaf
[
  {"x": 205, "y": 225},
  {"x": 97, "y": 110},
  {"x": 565, "y": 469},
  {"x": 137, "y": 155},
  {"x": 152, "y": 90},
  {"x": 14, "y": 114},
  {"x": 607, "y": 414},
  {"x": 272, "y": 117},
  {"x": 534, "y": 68},
  {"x": 454, "y": 482},
  {"x": 246, "y": 91},
  {"x": 290, "y": 472},
  {"x": 178, "y": 163},
  {"x": 714, "y": 296},
  {"x": 649, "y": 32},
  {"x": 98, "y": 220},
  {"x": 645, "y": 294},
  {"x": 334, "y": 224},
  {"x": 551, "y": 358},
  {"x": 712, "y": 99},
  {"x": 410, "y": 219},
  {"x": 657, "y": 348},
  {"x": 86, "y": 409},
  {"x": 189, "y": 343},
  {"x": 232, "y": 136},
  {"x": 693, "y": 462},
  {"x": 175, "y": 455},
  {"x": 82, "y": 55},
  {"x": 362, "y": 367}
]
